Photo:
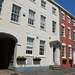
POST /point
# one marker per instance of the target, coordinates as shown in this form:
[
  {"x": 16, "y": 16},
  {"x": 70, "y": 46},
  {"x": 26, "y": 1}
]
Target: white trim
[
  {"x": 7, "y": 31},
  {"x": 17, "y": 3},
  {"x": 69, "y": 28},
  {"x": 63, "y": 25},
  {"x": 69, "y": 45},
  {"x": 73, "y": 30},
  {"x": 62, "y": 12},
  {"x": 63, "y": 44},
  {"x": 31, "y": 35}
]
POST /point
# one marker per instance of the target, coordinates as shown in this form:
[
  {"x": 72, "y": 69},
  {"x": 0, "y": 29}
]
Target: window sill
[
  {"x": 69, "y": 38},
  {"x": 29, "y": 55},
  {"x": 42, "y": 29},
  {"x": 54, "y": 14},
  {"x": 74, "y": 40},
  {"x": 70, "y": 57},
  {"x": 15, "y": 22},
  {"x": 33, "y": 1},
  {"x": 42, "y": 56},
  {"x": 63, "y": 57},
  {"x": 43, "y": 7},
  {"x": 63, "y": 19},
  {"x": 63, "y": 36},
  {"x": 31, "y": 25},
  {"x": 54, "y": 33}
]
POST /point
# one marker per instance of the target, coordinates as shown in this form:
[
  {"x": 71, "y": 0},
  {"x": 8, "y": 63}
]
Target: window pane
[
  {"x": 42, "y": 45},
  {"x": 31, "y": 17},
  {"x": 15, "y": 13},
  {"x": 29, "y": 47}
]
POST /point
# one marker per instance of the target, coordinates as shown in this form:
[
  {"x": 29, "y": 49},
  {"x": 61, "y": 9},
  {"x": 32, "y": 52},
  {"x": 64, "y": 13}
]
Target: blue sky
[{"x": 69, "y": 5}]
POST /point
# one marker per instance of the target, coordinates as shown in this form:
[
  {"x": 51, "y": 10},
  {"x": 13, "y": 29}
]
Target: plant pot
[
  {"x": 36, "y": 59},
  {"x": 21, "y": 59}
]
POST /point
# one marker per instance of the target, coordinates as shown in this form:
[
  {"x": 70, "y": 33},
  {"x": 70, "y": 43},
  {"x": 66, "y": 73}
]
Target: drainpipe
[{"x": 59, "y": 34}]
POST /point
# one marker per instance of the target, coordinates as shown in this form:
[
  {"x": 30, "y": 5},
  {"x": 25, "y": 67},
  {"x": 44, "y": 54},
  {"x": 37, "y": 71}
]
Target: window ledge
[
  {"x": 33, "y": 1},
  {"x": 54, "y": 33},
  {"x": 43, "y": 7},
  {"x": 42, "y": 29},
  {"x": 15, "y": 22},
  {"x": 69, "y": 38},
  {"x": 74, "y": 40},
  {"x": 42, "y": 56},
  {"x": 70, "y": 57},
  {"x": 63, "y": 57},
  {"x": 63, "y": 19},
  {"x": 29, "y": 55},
  {"x": 31, "y": 25},
  {"x": 63, "y": 36},
  {"x": 54, "y": 14}
]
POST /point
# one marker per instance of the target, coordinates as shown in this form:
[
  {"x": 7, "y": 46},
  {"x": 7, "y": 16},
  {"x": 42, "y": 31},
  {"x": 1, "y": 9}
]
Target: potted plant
[
  {"x": 64, "y": 59},
  {"x": 70, "y": 59},
  {"x": 37, "y": 59},
  {"x": 21, "y": 58}
]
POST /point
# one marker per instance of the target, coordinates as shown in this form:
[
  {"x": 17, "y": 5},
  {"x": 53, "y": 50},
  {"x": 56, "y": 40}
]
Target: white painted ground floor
[{"x": 12, "y": 46}]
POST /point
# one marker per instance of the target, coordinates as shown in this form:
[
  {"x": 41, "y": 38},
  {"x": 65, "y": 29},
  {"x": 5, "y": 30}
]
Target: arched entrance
[{"x": 7, "y": 47}]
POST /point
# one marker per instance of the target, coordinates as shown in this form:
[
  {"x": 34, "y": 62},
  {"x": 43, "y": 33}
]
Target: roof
[{"x": 53, "y": 2}]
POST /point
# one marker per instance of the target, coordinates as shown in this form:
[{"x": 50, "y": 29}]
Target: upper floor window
[
  {"x": 53, "y": 10},
  {"x": 73, "y": 23},
  {"x": 15, "y": 13},
  {"x": 43, "y": 3},
  {"x": 42, "y": 24},
  {"x": 74, "y": 36},
  {"x": 69, "y": 34},
  {"x": 29, "y": 47},
  {"x": 32, "y": 0},
  {"x": 1, "y": 1},
  {"x": 68, "y": 19},
  {"x": 53, "y": 26},
  {"x": 31, "y": 17},
  {"x": 63, "y": 16},
  {"x": 63, "y": 51},
  {"x": 63, "y": 31},
  {"x": 42, "y": 47},
  {"x": 70, "y": 53}
]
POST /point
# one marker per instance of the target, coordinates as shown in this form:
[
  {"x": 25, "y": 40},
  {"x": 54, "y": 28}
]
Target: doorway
[{"x": 7, "y": 47}]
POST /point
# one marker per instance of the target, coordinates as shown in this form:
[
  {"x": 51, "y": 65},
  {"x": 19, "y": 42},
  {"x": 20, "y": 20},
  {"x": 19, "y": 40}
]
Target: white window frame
[
  {"x": 62, "y": 15},
  {"x": 73, "y": 23},
  {"x": 33, "y": 1},
  {"x": 68, "y": 19},
  {"x": 1, "y": 3},
  {"x": 54, "y": 26},
  {"x": 64, "y": 45},
  {"x": 54, "y": 10},
  {"x": 69, "y": 33},
  {"x": 31, "y": 17},
  {"x": 64, "y": 30},
  {"x": 43, "y": 4},
  {"x": 30, "y": 45},
  {"x": 42, "y": 22},
  {"x": 15, "y": 19},
  {"x": 70, "y": 51},
  {"x": 73, "y": 35},
  {"x": 43, "y": 47}
]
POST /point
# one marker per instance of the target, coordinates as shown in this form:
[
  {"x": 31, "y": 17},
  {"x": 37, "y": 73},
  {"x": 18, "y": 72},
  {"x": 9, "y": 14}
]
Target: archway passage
[{"x": 7, "y": 47}]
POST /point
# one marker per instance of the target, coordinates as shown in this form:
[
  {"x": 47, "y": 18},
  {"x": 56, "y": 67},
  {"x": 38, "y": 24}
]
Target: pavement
[
  {"x": 67, "y": 71},
  {"x": 9, "y": 72}
]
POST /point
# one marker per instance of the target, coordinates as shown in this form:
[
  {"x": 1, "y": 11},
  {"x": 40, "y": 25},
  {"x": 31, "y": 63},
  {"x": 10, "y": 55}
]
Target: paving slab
[{"x": 9, "y": 72}]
